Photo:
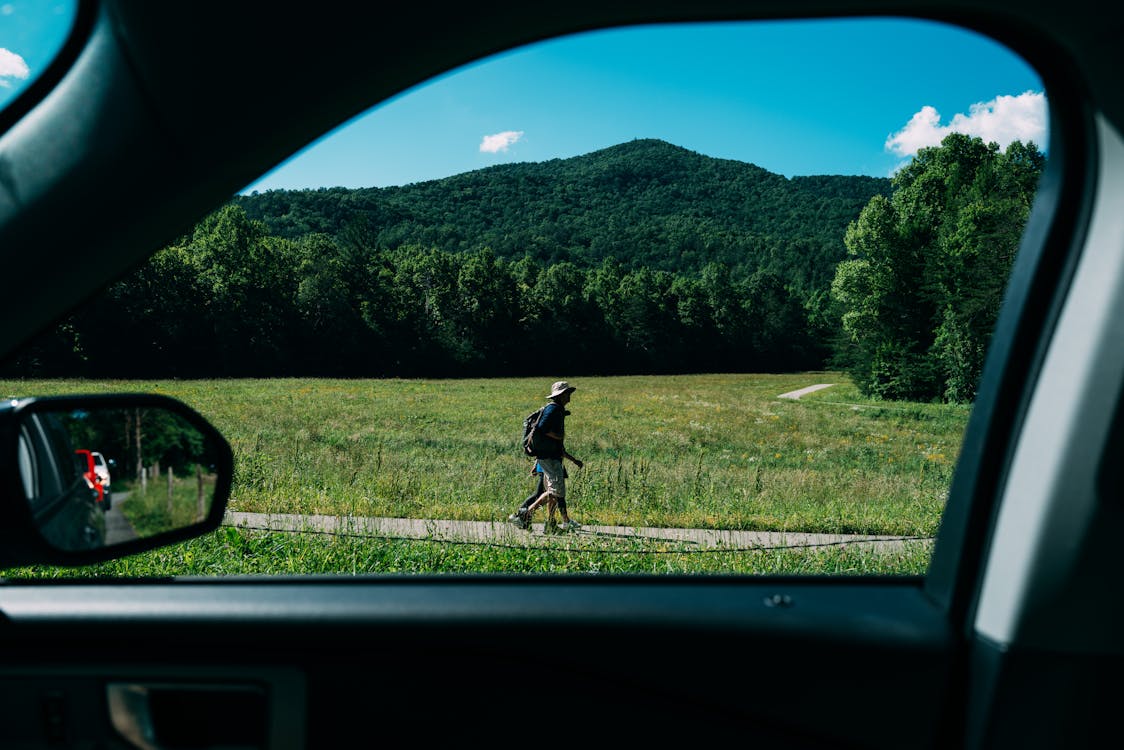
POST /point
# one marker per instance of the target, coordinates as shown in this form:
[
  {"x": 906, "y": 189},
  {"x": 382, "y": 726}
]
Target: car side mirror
[{"x": 173, "y": 486}]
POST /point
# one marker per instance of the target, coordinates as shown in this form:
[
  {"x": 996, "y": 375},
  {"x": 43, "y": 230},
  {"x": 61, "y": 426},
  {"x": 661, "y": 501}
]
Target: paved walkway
[
  {"x": 797, "y": 394},
  {"x": 499, "y": 532},
  {"x": 117, "y": 526}
]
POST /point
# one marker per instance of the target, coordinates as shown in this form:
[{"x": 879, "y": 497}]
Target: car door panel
[{"x": 868, "y": 663}]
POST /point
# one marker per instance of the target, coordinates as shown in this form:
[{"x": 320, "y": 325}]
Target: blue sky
[
  {"x": 797, "y": 98},
  {"x": 31, "y": 32}
]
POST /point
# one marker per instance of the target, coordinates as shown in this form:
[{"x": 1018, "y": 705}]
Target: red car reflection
[{"x": 86, "y": 465}]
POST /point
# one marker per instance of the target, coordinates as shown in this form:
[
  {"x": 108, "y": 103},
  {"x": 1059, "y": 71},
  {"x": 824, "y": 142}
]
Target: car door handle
[{"x": 159, "y": 716}]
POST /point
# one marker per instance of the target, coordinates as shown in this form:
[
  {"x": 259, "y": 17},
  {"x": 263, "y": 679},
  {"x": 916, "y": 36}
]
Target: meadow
[{"x": 701, "y": 451}]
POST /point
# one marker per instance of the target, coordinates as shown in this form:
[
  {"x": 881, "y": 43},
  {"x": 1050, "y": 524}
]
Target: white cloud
[
  {"x": 11, "y": 66},
  {"x": 500, "y": 141},
  {"x": 1002, "y": 120}
]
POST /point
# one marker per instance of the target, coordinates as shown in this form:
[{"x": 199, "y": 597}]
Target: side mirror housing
[{"x": 174, "y": 483}]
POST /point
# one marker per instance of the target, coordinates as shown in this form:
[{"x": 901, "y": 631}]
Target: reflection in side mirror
[{"x": 169, "y": 470}]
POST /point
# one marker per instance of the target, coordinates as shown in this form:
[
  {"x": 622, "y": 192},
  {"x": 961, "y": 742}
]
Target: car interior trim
[
  {"x": 1042, "y": 271},
  {"x": 1050, "y": 497}
]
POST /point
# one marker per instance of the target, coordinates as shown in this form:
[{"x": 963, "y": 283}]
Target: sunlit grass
[
  {"x": 231, "y": 551},
  {"x": 707, "y": 451},
  {"x": 162, "y": 504}
]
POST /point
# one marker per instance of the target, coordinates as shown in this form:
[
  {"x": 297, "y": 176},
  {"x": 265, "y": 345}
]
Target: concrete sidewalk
[
  {"x": 794, "y": 395},
  {"x": 500, "y": 532}
]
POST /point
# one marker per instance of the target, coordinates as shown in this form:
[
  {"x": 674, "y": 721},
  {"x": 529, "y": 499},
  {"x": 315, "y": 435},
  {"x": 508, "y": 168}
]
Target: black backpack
[{"x": 529, "y": 425}]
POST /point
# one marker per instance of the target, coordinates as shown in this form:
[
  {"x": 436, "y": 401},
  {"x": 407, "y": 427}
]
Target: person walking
[
  {"x": 550, "y": 449},
  {"x": 518, "y": 518}
]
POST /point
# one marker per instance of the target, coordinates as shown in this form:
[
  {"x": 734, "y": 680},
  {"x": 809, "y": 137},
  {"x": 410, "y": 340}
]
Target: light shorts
[{"x": 554, "y": 476}]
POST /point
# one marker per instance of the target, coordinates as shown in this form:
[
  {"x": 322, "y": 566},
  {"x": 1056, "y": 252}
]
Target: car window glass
[
  {"x": 31, "y": 35},
  {"x": 47, "y": 460},
  {"x": 27, "y": 464},
  {"x": 762, "y": 261}
]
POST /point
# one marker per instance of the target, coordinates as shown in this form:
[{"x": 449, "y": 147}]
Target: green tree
[
  {"x": 334, "y": 284},
  {"x": 247, "y": 282},
  {"x": 485, "y": 314},
  {"x": 725, "y": 296},
  {"x": 926, "y": 268},
  {"x": 645, "y": 324},
  {"x": 778, "y": 328}
]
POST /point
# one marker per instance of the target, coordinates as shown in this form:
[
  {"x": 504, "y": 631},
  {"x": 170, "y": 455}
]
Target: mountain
[{"x": 645, "y": 202}]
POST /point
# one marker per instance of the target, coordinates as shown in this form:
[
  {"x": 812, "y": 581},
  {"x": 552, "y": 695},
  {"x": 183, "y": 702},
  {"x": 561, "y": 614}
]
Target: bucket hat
[{"x": 559, "y": 388}]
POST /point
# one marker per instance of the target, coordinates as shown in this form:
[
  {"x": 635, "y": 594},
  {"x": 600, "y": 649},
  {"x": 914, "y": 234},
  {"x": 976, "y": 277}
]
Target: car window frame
[
  {"x": 1048, "y": 255},
  {"x": 983, "y": 456},
  {"x": 85, "y": 13},
  {"x": 786, "y": 625},
  {"x": 1036, "y": 288}
]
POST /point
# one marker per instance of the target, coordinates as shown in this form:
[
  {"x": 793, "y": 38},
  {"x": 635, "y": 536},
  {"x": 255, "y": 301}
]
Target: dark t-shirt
[{"x": 553, "y": 420}]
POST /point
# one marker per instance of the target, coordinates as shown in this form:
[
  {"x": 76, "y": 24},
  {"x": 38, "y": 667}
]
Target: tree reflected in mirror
[{"x": 105, "y": 476}]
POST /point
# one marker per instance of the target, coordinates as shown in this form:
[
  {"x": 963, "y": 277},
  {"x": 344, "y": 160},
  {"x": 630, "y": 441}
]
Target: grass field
[{"x": 710, "y": 451}]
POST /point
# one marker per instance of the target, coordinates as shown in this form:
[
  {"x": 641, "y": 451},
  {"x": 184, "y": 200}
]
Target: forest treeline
[{"x": 641, "y": 258}]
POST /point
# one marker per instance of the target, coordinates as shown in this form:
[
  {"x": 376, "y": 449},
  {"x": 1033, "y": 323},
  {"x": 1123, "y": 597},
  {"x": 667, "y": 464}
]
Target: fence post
[
  {"x": 200, "y": 507},
  {"x": 137, "y": 445}
]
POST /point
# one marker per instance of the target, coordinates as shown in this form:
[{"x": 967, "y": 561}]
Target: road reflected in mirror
[{"x": 104, "y": 476}]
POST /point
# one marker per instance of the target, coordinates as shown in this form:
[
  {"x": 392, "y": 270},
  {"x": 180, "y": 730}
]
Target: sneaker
[
  {"x": 570, "y": 525},
  {"x": 519, "y": 520}
]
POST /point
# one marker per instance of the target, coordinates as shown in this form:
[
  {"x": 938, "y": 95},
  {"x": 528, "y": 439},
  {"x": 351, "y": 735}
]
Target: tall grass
[
  {"x": 160, "y": 505},
  {"x": 709, "y": 451},
  {"x": 232, "y": 551}
]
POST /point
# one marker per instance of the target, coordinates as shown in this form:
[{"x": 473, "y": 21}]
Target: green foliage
[
  {"x": 238, "y": 302},
  {"x": 920, "y": 293},
  {"x": 645, "y": 203},
  {"x": 162, "y": 504},
  {"x": 640, "y": 258},
  {"x": 236, "y": 552},
  {"x": 643, "y": 258},
  {"x": 167, "y": 439}
]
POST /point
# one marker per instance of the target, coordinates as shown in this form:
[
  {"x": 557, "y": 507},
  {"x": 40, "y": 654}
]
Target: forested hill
[
  {"x": 643, "y": 258},
  {"x": 645, "y": 203}
]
